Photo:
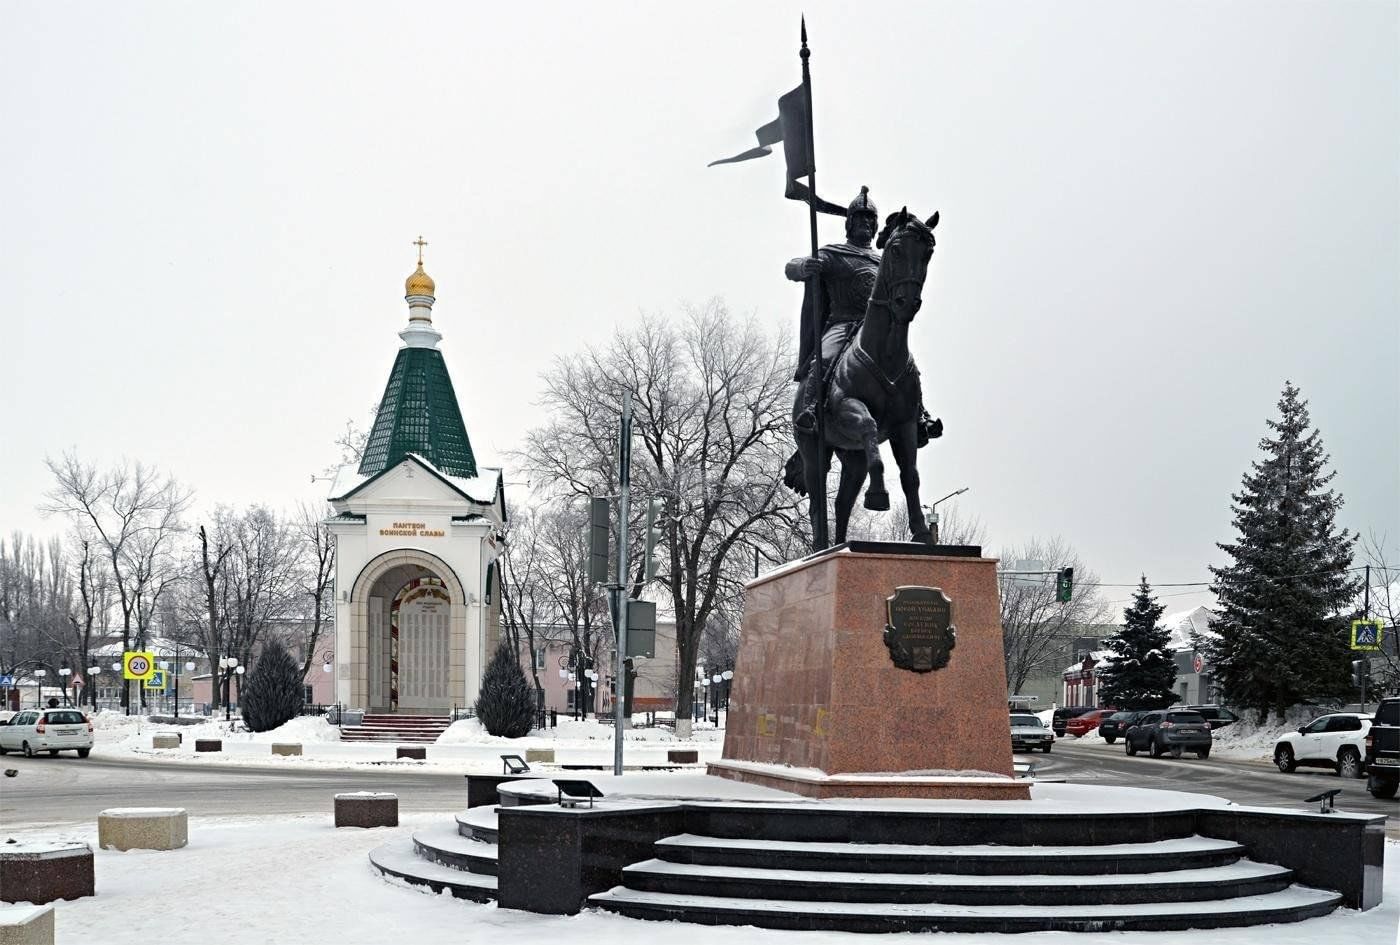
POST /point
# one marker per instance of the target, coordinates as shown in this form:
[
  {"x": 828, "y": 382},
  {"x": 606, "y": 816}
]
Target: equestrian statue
[{"x": 867, "y": 302}]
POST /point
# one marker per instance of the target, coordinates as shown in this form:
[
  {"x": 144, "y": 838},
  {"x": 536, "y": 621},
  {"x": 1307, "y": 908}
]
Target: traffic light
[
  {"x": 655, "y": 508},
  {"x": 1360, "y": 672},
  {"x": 599, "y": 527},
  {"x": 1064, "y": 585}
]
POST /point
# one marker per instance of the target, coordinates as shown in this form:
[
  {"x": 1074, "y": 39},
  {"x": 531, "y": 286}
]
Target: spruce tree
[
  {"x": 1279, "y": 637},
  {"x": 506, "y": 706},
  {"x": 1141, "y": 673},
  {"x": 272, "y": 695}
]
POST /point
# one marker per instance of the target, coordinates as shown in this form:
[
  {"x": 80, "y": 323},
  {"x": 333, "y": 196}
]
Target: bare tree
[
  {"x": 711, "y": 398},
  {"x": 1034, "y": 626},
  {"x": 88, "y": 615},
  {"x": 316, "y": 573},
  {"x": 128, "y": 510},
  {"x": 35, "y": 595},
  {"x": 955, "y": 527}
]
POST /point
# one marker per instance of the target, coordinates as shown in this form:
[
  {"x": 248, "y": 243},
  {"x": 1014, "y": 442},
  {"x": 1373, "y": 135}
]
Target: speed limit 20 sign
[{"x": 138, "y": 665}]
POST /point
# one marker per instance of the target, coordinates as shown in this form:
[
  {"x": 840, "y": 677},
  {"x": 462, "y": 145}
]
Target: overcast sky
[{"x": 1151, "y": 216}]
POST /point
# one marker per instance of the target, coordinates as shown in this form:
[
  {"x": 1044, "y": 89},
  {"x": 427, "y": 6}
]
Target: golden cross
[{"x": 420, "y": 243}]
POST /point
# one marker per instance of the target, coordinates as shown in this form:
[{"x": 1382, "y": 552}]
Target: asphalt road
[
  {"x": 72, "y": 790},
  {"x": 1255, "y": 784},
  {"x": 67, "y": 789}
]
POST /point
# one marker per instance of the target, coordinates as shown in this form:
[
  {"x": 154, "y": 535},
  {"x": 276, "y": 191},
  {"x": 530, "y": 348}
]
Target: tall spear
[{"x": 818, "y": 496}]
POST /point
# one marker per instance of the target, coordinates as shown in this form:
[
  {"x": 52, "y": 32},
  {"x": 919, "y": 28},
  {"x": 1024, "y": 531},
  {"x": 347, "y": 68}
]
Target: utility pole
[{"x": 619, "y": 587}]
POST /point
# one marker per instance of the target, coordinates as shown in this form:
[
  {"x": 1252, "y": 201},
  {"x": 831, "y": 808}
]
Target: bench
[
  {"x": 142, "y": 828},
  {"x": 208, "y": 744},
  {"x": 26, "y": 925},
  {"x": 367, "y": 809},
  {"x": 286, "y": 748},
  {"x": 40, "y": 871},
  {"x": 417, "y": 752},
  {"x": 165, "y": 740}
]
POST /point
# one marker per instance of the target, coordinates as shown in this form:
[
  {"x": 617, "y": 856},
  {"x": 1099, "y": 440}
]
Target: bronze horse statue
[{"x": 873, "y": 392}]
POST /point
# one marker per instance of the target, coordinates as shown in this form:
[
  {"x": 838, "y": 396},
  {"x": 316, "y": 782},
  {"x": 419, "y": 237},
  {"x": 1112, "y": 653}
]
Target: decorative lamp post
[
  {"x": 93, "y": 672},
  {"x": 65, "y": 672},
  {"x": 229, "y": 664},
  {"x": 728, "y": 675},
  {"x": 39, "y": 674},
  {"x": 715, "y": 680}
]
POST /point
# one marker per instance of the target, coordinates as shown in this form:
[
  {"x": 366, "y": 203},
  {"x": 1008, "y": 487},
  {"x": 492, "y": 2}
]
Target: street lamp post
[
  {"x": 932, "y": 511},
  {"x": 229, "y": 664},
  {"x": 93, "y": 673},
  {"x": 39, "y": 674},
  {"x": 65, "y": 672}
]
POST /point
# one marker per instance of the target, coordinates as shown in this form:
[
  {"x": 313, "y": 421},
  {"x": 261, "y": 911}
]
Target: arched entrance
[{"x": 408, "y": 629}]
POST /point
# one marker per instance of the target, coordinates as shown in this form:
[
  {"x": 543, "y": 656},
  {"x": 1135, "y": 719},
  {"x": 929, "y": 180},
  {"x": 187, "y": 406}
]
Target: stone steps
[
  {"x": 399, "y": 859},
  {"x": 408, "y": 729},
  {"x": 969, "y": 859},
  {"x": 446, "y": 846},
  {"x": 478, "y": 823},
  {"x": 1290, "y": 905}
]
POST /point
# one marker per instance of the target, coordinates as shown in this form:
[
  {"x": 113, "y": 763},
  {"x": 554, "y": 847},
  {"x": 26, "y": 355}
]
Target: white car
[
  {"x": 50, "y": 730},
  {"x": 1331, "y": 741}
]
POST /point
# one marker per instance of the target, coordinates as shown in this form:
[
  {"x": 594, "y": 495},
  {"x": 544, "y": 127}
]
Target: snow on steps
[
  {"x": 1236, "y": 880},
  {"x": 408, "y": 729},
  {"x": 398, "y": 859},
  {"x": 479, "y": 823},
  {"x": 1290, "y": 905},
  {"x": 445, "y": 845},
  {"x": 1169, "y": 854}
]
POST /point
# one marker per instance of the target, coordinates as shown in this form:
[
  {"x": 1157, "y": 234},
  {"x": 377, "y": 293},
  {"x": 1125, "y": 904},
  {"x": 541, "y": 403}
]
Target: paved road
[
  {"x": 72, "y": 790},
  {"x": 1251, "y": 783}
]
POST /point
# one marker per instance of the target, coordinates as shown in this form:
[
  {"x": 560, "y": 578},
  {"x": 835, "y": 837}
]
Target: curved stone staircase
[
  {"x": 781, "y": 878},
  {"x": 459, "y": 858}
]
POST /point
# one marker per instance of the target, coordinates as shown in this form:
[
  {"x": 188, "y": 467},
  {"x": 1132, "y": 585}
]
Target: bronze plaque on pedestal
[{"x": 919, "y": 629}]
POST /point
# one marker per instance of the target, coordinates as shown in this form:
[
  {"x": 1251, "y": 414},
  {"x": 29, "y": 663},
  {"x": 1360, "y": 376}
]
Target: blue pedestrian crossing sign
[
  {"x": 1367, "y": 634},
  {"x": 156, "y": 680}
]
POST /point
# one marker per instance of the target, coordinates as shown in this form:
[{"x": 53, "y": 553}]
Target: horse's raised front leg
[
  {"x": 852, "y": 475},
  {"x": 904, "y": 445},
  {"x": 855, "y": 420}
]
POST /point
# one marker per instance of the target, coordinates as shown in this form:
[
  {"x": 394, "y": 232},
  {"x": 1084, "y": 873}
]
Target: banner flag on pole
[{"x": 790, "y": 128}]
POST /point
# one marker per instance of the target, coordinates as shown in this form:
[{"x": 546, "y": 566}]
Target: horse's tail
[{"x": 792, "y": 474}]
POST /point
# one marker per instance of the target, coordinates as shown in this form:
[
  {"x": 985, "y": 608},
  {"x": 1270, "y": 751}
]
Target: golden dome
[{"x": 419, "y": 283}]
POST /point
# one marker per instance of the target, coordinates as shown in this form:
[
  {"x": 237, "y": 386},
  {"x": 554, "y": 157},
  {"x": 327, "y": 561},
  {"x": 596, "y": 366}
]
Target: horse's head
[{"x": 908, "y": 244}]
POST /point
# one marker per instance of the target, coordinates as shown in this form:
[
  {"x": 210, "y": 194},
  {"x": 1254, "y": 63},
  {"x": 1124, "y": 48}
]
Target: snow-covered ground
[
  {"x": 299, "y": 879},
  {"x": 464, "y": 747}
]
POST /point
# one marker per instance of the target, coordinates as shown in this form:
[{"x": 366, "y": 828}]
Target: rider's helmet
[{"x": 863, "y": 204}]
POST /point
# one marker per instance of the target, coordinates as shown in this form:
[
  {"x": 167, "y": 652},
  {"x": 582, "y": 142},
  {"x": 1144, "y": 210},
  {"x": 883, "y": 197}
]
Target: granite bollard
[
  {"x": 165, "y": 740},
  {"x": 417, "y": 752},
  {"x": 40, "y": 871},
  {"x": 26, "y": 925},
  {"x": 142, "y": 828},
  {"x": 367, "y": 809},
  {"x": 539, "y": 754},
  {"x": 286, "y": 748},
  {"x": 683, "y": 756},
  {"x": 208, "y": 744}
]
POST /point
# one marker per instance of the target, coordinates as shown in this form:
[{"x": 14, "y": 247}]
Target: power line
[{"x": 1279, "y": 577}]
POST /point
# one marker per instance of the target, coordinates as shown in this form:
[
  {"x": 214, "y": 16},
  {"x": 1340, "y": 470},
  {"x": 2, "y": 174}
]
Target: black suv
[
  {"x": 1061, "y": 716},
  {"x": 1217, "y": 715},
  {"x": 1383, "y": 750},
  {"x": 1169, "y": 730},
  {"x": 1116, "y": 725}
]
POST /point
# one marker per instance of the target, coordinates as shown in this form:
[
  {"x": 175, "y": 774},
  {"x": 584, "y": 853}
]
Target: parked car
[
  {"x": 1217, "y": 715},
  {"x": 1169, "y": 730},
  {"x": 1114, "y": 727},
  {"x": 1082, "y": 725},
  {"x": 1330, "y": 741},
  {"x": 1383, "y": 750},
  {"x": 51, "y": 730},
  {"x": 1029, "y": 733},
  {"x": 1064, "y": 714}
]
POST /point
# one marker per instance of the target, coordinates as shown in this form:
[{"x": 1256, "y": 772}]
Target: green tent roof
[{"x": 419, "y": 414}]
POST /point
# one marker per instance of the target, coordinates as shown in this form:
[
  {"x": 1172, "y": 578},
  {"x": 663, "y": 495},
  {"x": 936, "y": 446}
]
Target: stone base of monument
[{"x": 873, "y": 669}]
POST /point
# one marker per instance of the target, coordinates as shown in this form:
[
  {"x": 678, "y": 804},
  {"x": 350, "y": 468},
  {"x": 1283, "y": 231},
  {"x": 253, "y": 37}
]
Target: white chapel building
[{"x": 418, "y": 528}]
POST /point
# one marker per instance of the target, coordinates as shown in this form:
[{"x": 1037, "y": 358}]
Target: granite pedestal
[
  {"x": 414, "y": 752},
  {"x": 41, "y": 871},
  {"x": 367, "y": 809},
  {"x": 208, "y": 744},
  {"x": 143, "y": 828},
  {"x": 815, "y": 688}
]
